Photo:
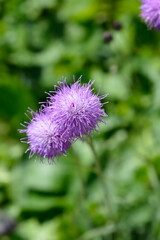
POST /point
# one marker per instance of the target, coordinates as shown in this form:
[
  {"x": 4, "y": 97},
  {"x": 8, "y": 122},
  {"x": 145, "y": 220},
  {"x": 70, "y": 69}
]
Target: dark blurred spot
[
  {"x": 117, "y": 25},
  {"x": 107, "y": 37},
  {"x": 7, "y": 225}
]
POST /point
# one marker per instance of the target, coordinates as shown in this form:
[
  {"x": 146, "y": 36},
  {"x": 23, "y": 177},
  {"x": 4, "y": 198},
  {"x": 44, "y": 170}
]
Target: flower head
[
  {"x": 71, "y": 112},
  {"x": 76, "y": 109},
  {"x": 44, "y": 137},
  {"x": 150, "y": 13}
]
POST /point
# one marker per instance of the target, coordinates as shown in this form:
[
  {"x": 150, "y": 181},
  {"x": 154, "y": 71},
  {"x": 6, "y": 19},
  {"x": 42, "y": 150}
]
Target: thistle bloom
[
  {"x": 43, "y": 136},
  {"x": 73, "y": 111},
  {"x": 76, "y": 109},
  {"x": 150, "y": 13}
]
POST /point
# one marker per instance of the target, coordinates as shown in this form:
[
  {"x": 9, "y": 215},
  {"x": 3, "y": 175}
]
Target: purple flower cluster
[
  {"x": 71, "y": 112},
  {"x": 150, "y": 13}
]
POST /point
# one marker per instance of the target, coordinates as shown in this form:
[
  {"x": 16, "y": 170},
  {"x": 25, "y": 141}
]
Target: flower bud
[{"x": 107, "y": 37}]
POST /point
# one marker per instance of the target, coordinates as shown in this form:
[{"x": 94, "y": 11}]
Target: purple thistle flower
[
  {"x": 43, "y": 136},
  {"x": 151, "y": 13},
  {"x": 76, "y": 109}
]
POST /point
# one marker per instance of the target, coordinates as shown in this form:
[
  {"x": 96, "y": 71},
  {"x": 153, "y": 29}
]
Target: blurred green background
[{"x": 41, "y": 41}]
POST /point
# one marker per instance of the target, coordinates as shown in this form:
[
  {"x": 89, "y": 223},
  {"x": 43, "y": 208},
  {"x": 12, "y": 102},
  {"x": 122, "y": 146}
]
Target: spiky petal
[
  {"x": 76, "y": 109},
  {"x": 44, "y": 137},
  {"x": 150, "y": 13}
]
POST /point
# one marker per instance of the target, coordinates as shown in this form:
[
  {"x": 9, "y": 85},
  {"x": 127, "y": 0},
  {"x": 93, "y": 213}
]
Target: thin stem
[
  {"x": 154, "y": 181},
  {"x": 80, "y": 173},
  {"x": 155, "y": 184},
  {"x": 100, "y": 175},
  {"x": 89, "y": 168}
]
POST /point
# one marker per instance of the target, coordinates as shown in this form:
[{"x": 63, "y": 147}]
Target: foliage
[{"x": 40, "y": 41}]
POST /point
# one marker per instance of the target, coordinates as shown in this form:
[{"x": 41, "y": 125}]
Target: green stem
[
  {"x": 80, "y": 173},
  {"x": 100, "y": 175},
  {"x": 88, "y": 168},
  {"x": 154, "y": 181}
]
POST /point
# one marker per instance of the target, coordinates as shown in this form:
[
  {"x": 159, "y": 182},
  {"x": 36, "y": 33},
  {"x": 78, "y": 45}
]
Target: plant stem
[
  {"x": 108, "y": 202},
  {"x": 80, "y": 173},
  {"x": 88, "y": 168},
  {"x": 154, "y": 181}
]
